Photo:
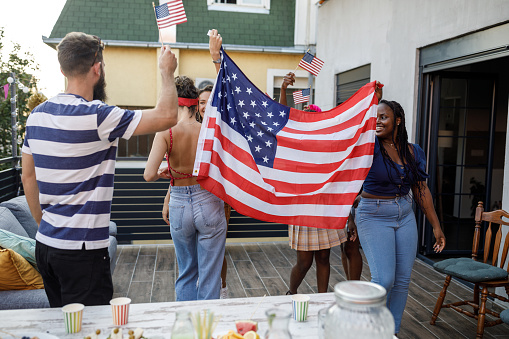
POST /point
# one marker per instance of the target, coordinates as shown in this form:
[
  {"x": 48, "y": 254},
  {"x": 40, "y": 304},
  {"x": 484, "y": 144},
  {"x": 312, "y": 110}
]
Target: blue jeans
[
  {"x": 388, "y": 235},
  {"x": 198, "y": 230}
]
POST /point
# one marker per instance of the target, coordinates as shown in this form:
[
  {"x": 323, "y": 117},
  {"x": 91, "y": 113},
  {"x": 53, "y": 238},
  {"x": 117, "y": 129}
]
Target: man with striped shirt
[{"x": 68, "y": 163}]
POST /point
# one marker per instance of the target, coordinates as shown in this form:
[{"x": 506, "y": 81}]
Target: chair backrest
[{"x": 494, "y": 217}]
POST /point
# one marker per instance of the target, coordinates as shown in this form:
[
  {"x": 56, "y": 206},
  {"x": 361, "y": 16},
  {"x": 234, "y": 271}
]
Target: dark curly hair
[
  {"x": 404, "y": 153},
  {"x": 186, "y": 89}
]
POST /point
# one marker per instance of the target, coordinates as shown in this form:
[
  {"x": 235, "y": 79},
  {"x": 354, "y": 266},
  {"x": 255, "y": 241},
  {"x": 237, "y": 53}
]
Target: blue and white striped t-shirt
[{"x": 74, "y": 144}]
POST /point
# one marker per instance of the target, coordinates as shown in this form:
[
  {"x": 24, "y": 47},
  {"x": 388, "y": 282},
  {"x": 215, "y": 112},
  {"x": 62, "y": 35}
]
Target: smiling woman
[{"x": 385, "y": 219}]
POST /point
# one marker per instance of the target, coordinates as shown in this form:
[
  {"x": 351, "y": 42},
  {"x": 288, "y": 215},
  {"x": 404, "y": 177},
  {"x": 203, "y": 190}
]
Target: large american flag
[
  {"x": 279, "y": 164},
  {"x": 170, "y": 13},
  {"x": 311, "y": 63}
]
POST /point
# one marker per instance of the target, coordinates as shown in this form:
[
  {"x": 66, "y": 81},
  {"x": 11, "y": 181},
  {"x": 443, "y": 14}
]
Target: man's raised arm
[{"x": 164, "y": 115}]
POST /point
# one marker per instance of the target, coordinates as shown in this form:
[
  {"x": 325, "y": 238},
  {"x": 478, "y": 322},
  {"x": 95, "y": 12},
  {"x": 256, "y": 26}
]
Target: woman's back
[{"x": 183, "y": 150}]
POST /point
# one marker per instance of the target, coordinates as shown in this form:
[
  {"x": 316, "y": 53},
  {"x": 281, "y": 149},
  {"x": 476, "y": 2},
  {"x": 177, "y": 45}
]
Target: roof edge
[{"x": 53, "y": 42}]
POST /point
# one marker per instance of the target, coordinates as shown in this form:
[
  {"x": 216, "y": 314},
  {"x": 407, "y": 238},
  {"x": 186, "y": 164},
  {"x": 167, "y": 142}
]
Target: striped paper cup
[
  {"x": 120, "y": 310},
  {"x": 73, "y": 316},
  {"x": 300, "y": 304}
]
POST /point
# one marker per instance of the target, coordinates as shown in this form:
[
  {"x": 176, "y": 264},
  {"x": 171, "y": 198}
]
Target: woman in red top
[{"x": 196, "y": 217}]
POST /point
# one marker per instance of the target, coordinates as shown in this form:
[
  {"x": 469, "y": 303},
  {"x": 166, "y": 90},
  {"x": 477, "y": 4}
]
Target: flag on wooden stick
[
  {"x": 170, "y": 13},
  {"x": 311, "y": 63}
]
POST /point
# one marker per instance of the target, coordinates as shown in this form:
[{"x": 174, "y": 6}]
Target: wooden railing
[{"x": 137, "y": 205}]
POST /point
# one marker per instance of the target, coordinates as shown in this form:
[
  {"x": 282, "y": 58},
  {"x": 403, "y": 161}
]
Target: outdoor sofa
[{"x": 18, "y": 270}]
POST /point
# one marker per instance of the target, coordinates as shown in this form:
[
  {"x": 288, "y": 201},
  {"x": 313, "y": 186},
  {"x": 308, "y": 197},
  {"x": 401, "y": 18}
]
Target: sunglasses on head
[{"x": 100, "y": 47}]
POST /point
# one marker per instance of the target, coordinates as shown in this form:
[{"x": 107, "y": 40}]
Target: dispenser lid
[{"x": 360, "y": 292}]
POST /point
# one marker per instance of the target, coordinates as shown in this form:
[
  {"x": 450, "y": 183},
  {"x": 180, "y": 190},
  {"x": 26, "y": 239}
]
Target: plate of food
[{"x": 26, "y": 335}]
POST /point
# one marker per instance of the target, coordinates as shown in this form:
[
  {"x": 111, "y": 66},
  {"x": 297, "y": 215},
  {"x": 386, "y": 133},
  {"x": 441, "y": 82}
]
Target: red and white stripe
[
  {"x": 120, "y": 314},
  {"x": 314, "y": 67},
  {"x": 321, "y": 162},
  {"x": 299, "y": 98},
  {"x": 177, "y": 14}
]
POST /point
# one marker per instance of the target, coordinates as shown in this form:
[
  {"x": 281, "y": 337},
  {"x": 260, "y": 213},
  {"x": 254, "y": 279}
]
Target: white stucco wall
[{"x": 387, "y": 34}]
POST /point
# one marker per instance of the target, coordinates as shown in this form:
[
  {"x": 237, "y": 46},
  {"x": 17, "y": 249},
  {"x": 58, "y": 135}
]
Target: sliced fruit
[
  {"x": 244, "y": 326},
  {"x": 251, "y": 335}
]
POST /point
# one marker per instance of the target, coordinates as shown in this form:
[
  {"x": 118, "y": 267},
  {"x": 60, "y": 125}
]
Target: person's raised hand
[
  {"x": 215, "y": 43},
  {"x": 288, "y": 80},
  {"x": 167, "y": 62},
  {"x": 378, "y": 90}
]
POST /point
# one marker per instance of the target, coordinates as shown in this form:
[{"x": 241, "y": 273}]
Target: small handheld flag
[
  {"x": 311, "y": 63},
  {"x": 301, "y": 96},
  {"x": 170, "y": 13}
]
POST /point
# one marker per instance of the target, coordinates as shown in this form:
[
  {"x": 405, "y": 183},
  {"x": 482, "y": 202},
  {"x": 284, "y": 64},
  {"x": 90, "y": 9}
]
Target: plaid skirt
[{"x": 304, "y": 238}]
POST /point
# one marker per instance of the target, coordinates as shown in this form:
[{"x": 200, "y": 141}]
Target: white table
[{"x": 157, "y": 318}]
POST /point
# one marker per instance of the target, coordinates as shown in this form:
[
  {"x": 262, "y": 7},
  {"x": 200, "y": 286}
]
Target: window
[
  {"x": 137, "y": 147},
  {"x": 275, "y": 78},
  {"x": 246, "y": 6},
  {"x": 349, "y": 82}
]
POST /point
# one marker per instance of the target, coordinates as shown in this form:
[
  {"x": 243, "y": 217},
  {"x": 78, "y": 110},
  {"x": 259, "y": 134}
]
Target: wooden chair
[{"x": 484, "y": 275}]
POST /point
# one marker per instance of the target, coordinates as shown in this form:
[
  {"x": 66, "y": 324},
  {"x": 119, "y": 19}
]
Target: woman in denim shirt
[{"x": 385, "y": 219}]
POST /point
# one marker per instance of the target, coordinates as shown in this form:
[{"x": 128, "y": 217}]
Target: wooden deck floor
[{"x": 147, "y": 273}]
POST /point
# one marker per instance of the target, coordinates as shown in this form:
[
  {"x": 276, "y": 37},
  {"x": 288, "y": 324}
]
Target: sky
[{"x": 25, "y": 22}]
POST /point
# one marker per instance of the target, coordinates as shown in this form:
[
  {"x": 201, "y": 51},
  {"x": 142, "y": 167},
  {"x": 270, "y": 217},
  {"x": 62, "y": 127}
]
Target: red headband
[{"x": 188, "y": 102}]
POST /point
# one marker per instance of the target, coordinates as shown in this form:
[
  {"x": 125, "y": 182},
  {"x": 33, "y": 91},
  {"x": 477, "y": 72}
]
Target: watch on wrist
[{"x": 218, "y": 61}]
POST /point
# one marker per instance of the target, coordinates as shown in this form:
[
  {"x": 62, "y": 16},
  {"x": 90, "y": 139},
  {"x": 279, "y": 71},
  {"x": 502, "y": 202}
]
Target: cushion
[
  {"x": 10, "y": 300},
  {"x": 470, "y": 270},
  {"x": 113, "y": 228},
  {"x": 9, "y": 222},
  {"x": 21, "y": 245},
  {"x": 504, "y": 315},
  {"x": 19, "y": 208},
  {"x": 17, "y": 273}
]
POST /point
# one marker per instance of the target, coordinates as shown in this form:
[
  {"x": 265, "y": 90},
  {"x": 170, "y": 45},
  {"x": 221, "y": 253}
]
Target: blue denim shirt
[{"x": 378, "y": 181}]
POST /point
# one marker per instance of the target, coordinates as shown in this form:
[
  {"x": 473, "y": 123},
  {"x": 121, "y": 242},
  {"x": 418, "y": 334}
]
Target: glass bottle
[
  {"x": 278, "y": 321},
  {"x": 360, "y": 312},
  {"x": 183, "y": 327}
]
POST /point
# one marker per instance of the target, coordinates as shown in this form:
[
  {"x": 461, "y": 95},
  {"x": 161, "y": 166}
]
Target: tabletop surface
[{"x": 157, "y": 318}]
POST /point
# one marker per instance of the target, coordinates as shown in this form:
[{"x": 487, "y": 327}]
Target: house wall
[
  {"x": 387, "y": 35},
  {"x": 132, "y": 74}
]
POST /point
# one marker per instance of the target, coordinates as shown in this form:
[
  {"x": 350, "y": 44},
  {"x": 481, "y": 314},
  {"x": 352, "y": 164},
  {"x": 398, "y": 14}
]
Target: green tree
[{"x": 24, "y": 65}]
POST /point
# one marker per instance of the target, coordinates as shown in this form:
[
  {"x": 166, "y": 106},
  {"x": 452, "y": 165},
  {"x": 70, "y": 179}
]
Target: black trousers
[{"x": 75, "y": 276}]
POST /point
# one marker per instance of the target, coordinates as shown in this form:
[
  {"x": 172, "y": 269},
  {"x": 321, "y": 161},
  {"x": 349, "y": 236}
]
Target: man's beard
[{"x": 100, "y": 89}]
